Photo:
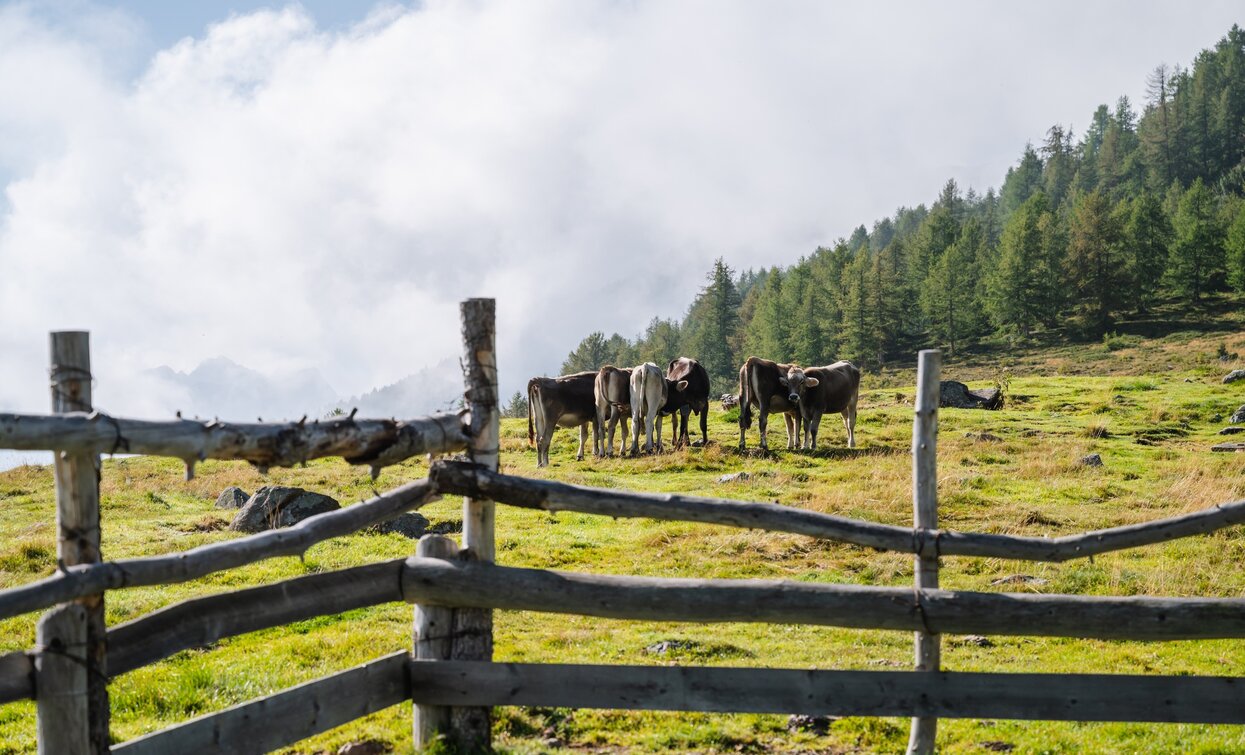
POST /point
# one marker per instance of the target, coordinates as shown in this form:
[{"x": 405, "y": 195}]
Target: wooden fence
[{"x": 449, "y": 675}]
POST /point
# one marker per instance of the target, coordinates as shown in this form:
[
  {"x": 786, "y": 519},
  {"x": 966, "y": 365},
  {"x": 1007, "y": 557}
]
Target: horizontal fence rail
[
  {"x": 373, "y": 442},
  {"x": 466, "y": 479},
  {"x": 482, "y": 585},
  {"x": 283, "y": 718},
  {"x": 1066, "y": 697},
  {"x": 77, "y": 581}
]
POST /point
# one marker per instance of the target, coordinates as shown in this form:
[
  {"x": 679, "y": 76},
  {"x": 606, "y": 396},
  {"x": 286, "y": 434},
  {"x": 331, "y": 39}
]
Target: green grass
[{"x": 1153, "y": 432}]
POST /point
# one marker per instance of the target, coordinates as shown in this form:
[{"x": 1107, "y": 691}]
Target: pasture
[{"x": 1012, "y": 471}]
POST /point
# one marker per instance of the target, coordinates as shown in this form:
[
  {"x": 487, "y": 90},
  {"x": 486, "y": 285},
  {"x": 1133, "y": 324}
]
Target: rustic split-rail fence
[{"x": 449, "y": 675}]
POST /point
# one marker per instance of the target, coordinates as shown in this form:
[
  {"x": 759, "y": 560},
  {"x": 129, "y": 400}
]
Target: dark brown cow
[
  {"x": 763, "y": 384},
  {"x": 822, "y": 390},
  {"x": 612, "y": 396},
  {"x": 565, "y": 401},
  {"x": 693, "y": 398}
]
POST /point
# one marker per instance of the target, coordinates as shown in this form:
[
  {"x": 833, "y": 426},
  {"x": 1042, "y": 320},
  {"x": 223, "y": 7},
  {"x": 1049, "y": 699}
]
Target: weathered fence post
[
  {"x": 77, "y": 526},
  {"x": 61, "y": 682},
  {"x": 433, "y": 632},
  {"x": 925, "y": 517},
  {"x": 473, "y": 628}
]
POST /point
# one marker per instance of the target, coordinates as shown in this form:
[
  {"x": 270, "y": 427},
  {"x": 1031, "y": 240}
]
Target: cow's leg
[
  {"x": 598, "y": 431},
  {"x": 849, "y": 419},
  {"x": 583, "y": 438},
  {"x": 812, "y": 427},
  {"x": 542, "y": 446},
  {"x": 793, "y": 431},
  {"x": 649, "y": 421},
  {"x": 763, "y": 426},
  {"x": 637, "y": 422},
  {"x": 704, "y": 424}
]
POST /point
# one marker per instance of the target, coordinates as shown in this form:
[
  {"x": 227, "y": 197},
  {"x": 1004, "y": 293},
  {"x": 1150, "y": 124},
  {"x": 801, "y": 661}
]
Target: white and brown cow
[
  {"x": 822, "y": 390},
  {"x": 565, "y": 401},
  {"x": 612, "y": 394},
  {"x": 763, "y": 385},
  {"x": 681, "y": 402},
  {"x": 649, "y": 391}
]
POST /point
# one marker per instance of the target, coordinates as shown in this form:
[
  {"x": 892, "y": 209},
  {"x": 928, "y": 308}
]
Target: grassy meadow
[{"x": 1150, "y": 408}]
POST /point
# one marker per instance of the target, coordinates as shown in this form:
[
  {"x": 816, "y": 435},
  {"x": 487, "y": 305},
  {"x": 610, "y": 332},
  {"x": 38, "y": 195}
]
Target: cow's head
[{"x": 796, "y": 382}]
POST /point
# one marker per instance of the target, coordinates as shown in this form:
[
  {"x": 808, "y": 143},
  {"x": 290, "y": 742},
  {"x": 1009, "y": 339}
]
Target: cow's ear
[
  {"x": 782, "y": 380},
  {"x": 811, "y": 382},
  {"x": 682, "y": 384}
]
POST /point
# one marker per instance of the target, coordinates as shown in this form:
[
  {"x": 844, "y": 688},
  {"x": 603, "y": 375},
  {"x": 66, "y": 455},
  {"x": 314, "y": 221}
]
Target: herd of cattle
[{"x": 611, "y": 395}]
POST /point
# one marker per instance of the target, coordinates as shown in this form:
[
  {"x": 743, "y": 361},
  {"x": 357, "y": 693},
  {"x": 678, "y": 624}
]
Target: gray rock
[
  {"x": 1237, "y": 416},
  {"x": 1093, "y": 460},
  {"x": 410, "y": 525},
  {"x": 736, "y": 477},
  {"x": 1232, "y": 430},
  {"x": 365, "y": 747},
  {"x": 956, "y": 395},
  {"x": 275, "y": 506},
  {"x": 819, "y": 725},
  {"x": 232, "y": 498},
  {"x": 983, "y": 436},
  {"x": 1234, "y": 376}
]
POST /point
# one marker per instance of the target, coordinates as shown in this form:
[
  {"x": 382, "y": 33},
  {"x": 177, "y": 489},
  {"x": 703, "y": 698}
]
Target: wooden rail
[
  {"x": 77, "y": 581},
  {"x": 373, "y": 442},
  {"x": 1063, "y": 697},
  {"x": 547, "y": 495},
  {"x": 281, "y": 719}
]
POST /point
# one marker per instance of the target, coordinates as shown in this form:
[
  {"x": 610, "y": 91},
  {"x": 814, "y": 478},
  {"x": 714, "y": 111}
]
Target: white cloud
[{"x": 295, "y": 198}]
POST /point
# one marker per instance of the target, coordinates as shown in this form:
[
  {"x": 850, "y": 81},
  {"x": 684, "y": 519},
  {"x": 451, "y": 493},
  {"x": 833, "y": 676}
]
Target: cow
[
  {"x": 693, "y": 398},
  {"x": 612, "y": 395},
  {"x": 565, "y": 401},
  {"x": 649, "y": 391},
  {"x": 822, "y": 390},
  {"x": 763, "y": 384}
]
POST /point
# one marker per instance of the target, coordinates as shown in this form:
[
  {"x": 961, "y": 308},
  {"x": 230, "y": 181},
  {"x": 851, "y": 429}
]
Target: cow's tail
[
  {"x": 533, "y": 395},
  {"x": 745, "y": 400}
]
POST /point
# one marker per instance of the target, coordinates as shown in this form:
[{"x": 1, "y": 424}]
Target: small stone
[
  {"x": 976, "y": 640},
  {"x": 1237, "y": 416},
  {"x": 232, "y": 498},
  {"x": 1232, "y": 430},
  {"x": 1188, "y": 380},
  {"x": 983, "y": 436},
  {"x": 819, "y": 725},
  {"x": 1234, "y": 376},
  {"x": 1229, "y": 447},
  {"x": 997, "y": 745},
  {"x": 1013, "y": 579},
  {"x": 1093, "y": 460},
  {"x": 736, "y": 477}
]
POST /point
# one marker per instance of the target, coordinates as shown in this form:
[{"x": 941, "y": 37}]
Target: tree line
[{"x": 1082, "y": 231}]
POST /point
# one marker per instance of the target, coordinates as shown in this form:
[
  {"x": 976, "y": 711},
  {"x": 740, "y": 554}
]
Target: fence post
[
  {"x": 925, "y": 517},
  {"x": 77, "y": 526},
  {"x": 473, "y": 628},
  {"x": 433, "y": 631},
  {"x": 61, "y": 682}
]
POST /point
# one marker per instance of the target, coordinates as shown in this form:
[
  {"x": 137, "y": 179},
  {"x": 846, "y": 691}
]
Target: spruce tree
[
  {"x": 1197, "y": 256},
  {"x": 1095, "y": 237},
  {"x": 1015, "y": 289},
  {"x": 1235, "y": 246},
  {"x": 1148, "y": 237},
  {"x": 713, "y": 323}
]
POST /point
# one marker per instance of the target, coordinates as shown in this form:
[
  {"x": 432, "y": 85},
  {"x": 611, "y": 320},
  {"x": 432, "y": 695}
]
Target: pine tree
[
  {"x": 861, "y": 340},
  {"x": 591, "y": 354},
  {"x": 1021, "y": 181},
  {"x": 1149, "y": 237},
  {"x": 1095, "y": 236},
  {"x": 949, "y": 294},
  {"x": 1016, "y": 294},
  {"x": 1235, "y": 246},
  {"x": 713, "y": 323},
  {"x": 1198, "y": 254}
]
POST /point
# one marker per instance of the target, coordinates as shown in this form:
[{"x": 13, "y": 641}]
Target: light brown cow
[
  {"x": 612, "y": 394},
  {"x": 763, "y": 384},
  {"x": 822, "y": 390},
  {"x": 565, "y": 401}
]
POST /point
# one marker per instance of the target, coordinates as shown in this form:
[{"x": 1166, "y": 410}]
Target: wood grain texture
[
  {"x": 474, "y": 584},
  {"x": 927, "y": 646},
  {"x": 283, "y": 718},
  {"x": 77, "y": 581},
  {"x": 199, "y": 622},
  {"x": 76, "y": 474},
  {"x": 456, "y": 477},
  {"x": 1070, "y": 697},
  {"x": 372, "y": 442},
  {"x": 433, "y": 634},
  {"x": 470, "y": 728},
  {"x": 63, "y": 705}
]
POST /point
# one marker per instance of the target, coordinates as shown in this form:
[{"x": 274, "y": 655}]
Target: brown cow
[
  {"x": 612, "y": 396},
  {"x": 822, "y": 390},
  {"x": 565, "y": 401},
  {"x": 693, "y": 398},
  {"x": 763, "y": 384}
]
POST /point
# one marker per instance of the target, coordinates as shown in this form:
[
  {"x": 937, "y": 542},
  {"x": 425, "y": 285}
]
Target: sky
[{"x": 316, "y": 186}]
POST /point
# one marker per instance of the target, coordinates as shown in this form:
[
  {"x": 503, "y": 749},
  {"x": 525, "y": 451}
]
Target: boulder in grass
[
  {"x": 1238, "y": 416},
  {"x": 1093, "y": 460},
  {"x": 409, "y": 524},
  {"x": 956, "y": 395},
  {"x": 276, "y": 506},
  {"x": 1234, "y": 376},
  {"x": 232, "y": 498}
]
